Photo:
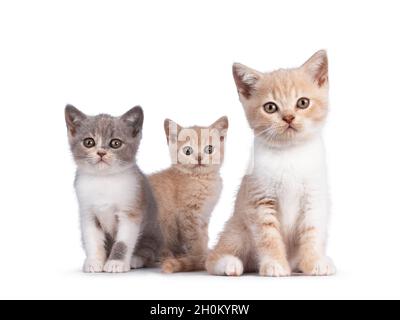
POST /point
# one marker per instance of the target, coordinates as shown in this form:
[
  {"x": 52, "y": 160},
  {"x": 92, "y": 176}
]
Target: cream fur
[
  {"x": 282, "y": 209},
  {"x": 187, "y": 193}
]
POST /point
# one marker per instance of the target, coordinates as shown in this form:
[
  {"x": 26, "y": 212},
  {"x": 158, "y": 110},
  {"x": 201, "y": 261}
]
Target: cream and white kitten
[
  {"x": 117, "y": 207},
  {"x": 280, "y": 221}
]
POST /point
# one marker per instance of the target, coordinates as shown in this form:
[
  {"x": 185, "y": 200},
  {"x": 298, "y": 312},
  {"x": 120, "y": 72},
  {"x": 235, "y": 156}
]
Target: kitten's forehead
[
  {"x": 104, "y": 126},
  {"x": 203, "y": 134},
  {"x": 284, "y": 83},
  {"x": 199, "y": 130}
]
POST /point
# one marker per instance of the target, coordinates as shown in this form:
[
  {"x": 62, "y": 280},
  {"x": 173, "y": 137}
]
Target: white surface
[{"x": 174, "y": 58}]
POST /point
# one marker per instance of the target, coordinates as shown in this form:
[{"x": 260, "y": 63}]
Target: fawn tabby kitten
[
  {"x": 117, "y": 207},
  {"x": 281, "y": 213},
  {"x": 188, "y": 191}
]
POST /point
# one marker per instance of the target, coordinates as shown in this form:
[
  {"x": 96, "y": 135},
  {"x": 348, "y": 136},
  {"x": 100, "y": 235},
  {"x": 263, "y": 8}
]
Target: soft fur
[
  {"x": 280, "y": 221},
  {"x": 117, "y": 207},
  {"x": 187, "y": 193}
]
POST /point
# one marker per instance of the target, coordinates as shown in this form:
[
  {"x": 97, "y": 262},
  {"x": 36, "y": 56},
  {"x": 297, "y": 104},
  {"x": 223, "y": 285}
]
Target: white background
[{"x": 174, "y": 58}]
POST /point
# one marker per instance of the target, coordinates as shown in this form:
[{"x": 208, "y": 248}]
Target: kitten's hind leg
[
  {"x": 187, "y": 263},
  {"x": 231, "y": 255},
  {"x": 229, "y": 265},
  {"x": 137, "y": 262},
  {"x": 147, "y": 253},
  {"x": 194, "y": 238}
]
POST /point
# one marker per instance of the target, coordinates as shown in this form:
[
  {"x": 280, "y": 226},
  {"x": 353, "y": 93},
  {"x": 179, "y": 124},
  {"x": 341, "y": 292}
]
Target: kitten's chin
[
  {"x": 198, "y": 169},
  {"x": 289, "y": 138},
  {"x": 102, "y": 169}
]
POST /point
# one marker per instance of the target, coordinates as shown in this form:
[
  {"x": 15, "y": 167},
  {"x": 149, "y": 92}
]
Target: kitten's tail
[{"x": 184, "y": 264}]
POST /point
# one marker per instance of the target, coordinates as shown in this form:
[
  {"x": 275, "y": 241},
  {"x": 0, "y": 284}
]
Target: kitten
[
  {"x": 281, "y": 213},
  {"x": 188, "y": 191},
  {"x": 117, "y": 207}
]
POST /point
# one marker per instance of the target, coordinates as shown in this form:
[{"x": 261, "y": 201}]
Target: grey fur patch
[
  {"x": 97, "y": 223},
  {"x": 150, "y": 243},
  {"x": 118, "y": 251},
  {"x": 108, "y": 244}
]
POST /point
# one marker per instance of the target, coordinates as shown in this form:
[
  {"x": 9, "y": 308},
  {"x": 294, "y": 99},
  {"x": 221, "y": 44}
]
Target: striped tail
[{"x": 184, "y": 264}]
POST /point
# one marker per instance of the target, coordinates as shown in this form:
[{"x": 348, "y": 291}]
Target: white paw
[
  {"x": 323, "y": 267},
  {"x": 137, "y": 262},
  {"x": 116, "y": 266},
  {"x": 93, "y": 266},
  {"x": 274, "y": 269},
  {"x": 229, "y": 266}
]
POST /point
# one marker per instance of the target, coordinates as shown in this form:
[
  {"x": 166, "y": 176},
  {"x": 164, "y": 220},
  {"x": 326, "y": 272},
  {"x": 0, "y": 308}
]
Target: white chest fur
[
  {"x": 289, "y": 174},
  {"x": 108, "y": 193}
]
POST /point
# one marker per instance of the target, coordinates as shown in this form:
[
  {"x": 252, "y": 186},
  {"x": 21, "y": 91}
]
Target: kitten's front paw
[
  {"x": 93, "y": 266},
  {"x": 273, "y": 268},
  {"x": 116, "y": 266},
  {"x": 321, "y": 267},
  {"x": 229, "y": 266},
  {"x": 137, "y": 262}
]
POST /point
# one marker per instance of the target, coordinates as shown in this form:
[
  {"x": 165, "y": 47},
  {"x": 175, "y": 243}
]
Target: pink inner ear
[
  {"x": 72, "y": 126},
  {"x": 245, "y": 80},
  {"x": 317, "y": 66},
  {"x": 321, "y": 75}
]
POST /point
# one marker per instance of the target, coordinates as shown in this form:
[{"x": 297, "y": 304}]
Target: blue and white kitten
[{"x": 117, "y": 207}]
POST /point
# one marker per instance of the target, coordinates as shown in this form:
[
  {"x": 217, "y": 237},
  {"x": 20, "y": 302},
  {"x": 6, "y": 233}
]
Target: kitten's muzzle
[
  {"x": 200, "y": 162},
  {"x": 288, "y": 118},
  {"x": 102, "y": 154}
]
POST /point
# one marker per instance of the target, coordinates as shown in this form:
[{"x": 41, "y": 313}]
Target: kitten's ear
[
  {"x": 245, "y": 79},
  {"x": 317, "y": 68},
  {"x": 73, "y": 118},
  {"x": 222, "y": 126},
  {"x": 172, "y": 130},
  {"x": 134, "y": 118}
]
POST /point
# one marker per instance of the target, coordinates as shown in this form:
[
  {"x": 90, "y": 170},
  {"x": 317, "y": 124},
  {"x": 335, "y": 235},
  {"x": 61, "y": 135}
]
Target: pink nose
[
  {"x": 289, "y": 118},
  {"x": 101, "y": 153}
]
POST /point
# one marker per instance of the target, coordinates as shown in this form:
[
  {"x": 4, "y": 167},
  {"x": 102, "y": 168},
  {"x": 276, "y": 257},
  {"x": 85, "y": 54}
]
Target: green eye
[
  {"x": 188, "y": 151},
  {"x": 270, "y": 107},
  {"x": 116, "y": 144},
  {"x": 89, "y": 143},
  {"x": 303, "y": 103},
  {"x": 209, "y": 150}
]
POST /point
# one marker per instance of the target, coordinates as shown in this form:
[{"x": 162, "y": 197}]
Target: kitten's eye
[
  {"x": 270, "y": 107},
  {"x": 116, "y": 144},
  {"x": 188, "y": 151},
  {"x": 209, "y": 150},
  {"x": 303, "y": 103},
  {"x": 89, "y": 143}
]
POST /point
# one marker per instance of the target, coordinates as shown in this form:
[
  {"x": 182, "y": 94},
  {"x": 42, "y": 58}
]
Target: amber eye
[
  {"x": 303, "y": 103},
  {"x": 89, "y": 143},
  {"x": 116, "y": 144},
  {"x": 209, "y": 150},
  {"x": 270, "y": 107},
  {"x": 188, "y": 151}
]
